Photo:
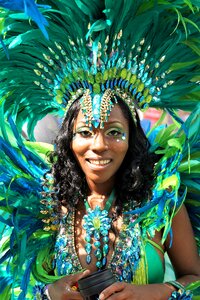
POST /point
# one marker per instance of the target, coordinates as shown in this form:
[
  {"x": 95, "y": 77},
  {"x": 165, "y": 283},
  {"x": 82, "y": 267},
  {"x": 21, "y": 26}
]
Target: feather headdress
[{"x": 146, "y": 52}]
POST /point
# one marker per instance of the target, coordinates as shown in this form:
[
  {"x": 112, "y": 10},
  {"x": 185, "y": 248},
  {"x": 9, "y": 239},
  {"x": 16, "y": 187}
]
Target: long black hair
[{"x": 134, "y": 179}]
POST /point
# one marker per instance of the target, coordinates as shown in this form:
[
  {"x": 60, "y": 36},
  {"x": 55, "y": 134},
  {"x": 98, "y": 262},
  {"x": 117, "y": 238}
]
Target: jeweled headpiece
[
  {"x": 131, "y": 50},
  {"x": 144, "y": 52}
]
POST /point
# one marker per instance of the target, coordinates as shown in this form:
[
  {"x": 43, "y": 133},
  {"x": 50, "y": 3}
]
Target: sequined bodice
[{"x": 125, "y": 258}]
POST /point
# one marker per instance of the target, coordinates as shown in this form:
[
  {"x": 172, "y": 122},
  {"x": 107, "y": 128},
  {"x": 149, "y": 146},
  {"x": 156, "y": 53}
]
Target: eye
[
  {"x": 114, "y": 132},
  {"x": 83, "y": 132}
]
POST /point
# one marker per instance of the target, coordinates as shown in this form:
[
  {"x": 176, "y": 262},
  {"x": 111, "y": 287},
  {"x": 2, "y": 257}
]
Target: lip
[{"x": 97, "y": 164}]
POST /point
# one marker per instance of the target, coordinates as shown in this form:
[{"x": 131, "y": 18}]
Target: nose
[{"x": 99, "y": 143}]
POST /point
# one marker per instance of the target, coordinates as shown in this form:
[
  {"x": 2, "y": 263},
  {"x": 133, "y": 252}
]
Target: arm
[
  {"x": 185, "y": 260},
  {"x": 183, "y": 253}
]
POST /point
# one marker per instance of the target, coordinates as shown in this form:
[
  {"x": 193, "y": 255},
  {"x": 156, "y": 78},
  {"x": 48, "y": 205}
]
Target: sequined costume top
[{"x": 131, "y": 260}]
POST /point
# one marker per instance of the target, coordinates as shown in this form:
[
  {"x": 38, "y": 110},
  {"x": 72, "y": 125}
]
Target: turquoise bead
[
  {"x": 105, "y": 239},
  {"x": 98, "y": 254},
  {"x": 105, "y": 249},
  {"x": 104, "y": 232},
  {"x": 88, "y": 259},
  {"x": 104, "y": 261},
  {"x": 88, "y": 248},
  {"x": 98, "y": 264},
  {"x": 97, "y": 244},
  {"x": 97, "y": 235},
  {"x": 88, "y": 238}
]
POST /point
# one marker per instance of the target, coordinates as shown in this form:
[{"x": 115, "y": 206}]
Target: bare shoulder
[{"x": 181, "y": 245}]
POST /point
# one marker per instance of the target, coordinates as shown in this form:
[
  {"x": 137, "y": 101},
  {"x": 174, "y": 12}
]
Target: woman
[
  {"x": 111, "y": 201},
  {"x": 91, "y": 163}
]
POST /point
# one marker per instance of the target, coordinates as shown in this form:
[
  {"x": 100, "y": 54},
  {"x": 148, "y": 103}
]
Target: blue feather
[
  {"x": 171, "y": 237},
  {"x": 144, "y": 208},
  {"x": 7, "y": 222},
  {"x": 4, "y": 48},
  {"x": 4, "y": 281},
  {"x": 14, "y": 156},
  {"x": 25, "y": 279},
  {"x": 31, "y": 157},
  {"x": 7, "y": 255},
  {"x": 30, "y": 8}
]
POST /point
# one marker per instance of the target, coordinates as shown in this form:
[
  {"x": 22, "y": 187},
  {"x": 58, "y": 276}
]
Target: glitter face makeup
[{"x": 101, "y": 151}]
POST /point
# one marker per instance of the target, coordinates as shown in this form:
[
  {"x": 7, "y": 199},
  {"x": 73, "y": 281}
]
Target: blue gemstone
[
  {"x": 79, "y": 84},
  {"x": 112, "y": 84},
  {"x": 144, "y": 78},
  {"x": 126, "y": 84},
  {"x": 70, "y": 88},
  {"x": 148, "y": 82},
  {"x": 104, "y": 232},
  {"x": 98, "y": 264},
  {"x": 98, "y": 254},
  {"x": 88, "y": 259},
  {"x": 88, "y": 248},
  {"x": 105, "y": 249},
  {"x": 95, "y": 123},
  {"x": 119, "y": 82},
  {"x": 96, "y": 235},
  {"x": 145, "y": 105},
  {"x": 68, "y": 266},
  {"x": 134, "y": 91},
  {"x": 102, "y": 87},
  {"x": 158, "y": 93},
  {"x": 97, "y": 244},
  {"x": 130, "y": 88},
  {"x": 123, "y": 83},
  {"x": 141, "y": 98},
  {"x": 138, "y": 95},
  {"x": 107, "y": 84},
  {"x": 88, "y": 238},
  {"x": 152, "y": 89},
  {"x": 115, "y": 82},
  {"x": 90, "y": 87},
  {"x": 87, "y": 84},
  {"x": 105, "y": 239},
  {"x": 104, "y": 261},
  {"x": 74, "y": 87}
]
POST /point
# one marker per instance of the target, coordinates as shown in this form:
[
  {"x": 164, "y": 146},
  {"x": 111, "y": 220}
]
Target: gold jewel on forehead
[
  {"x": 75, "y": 97},
  {"x": 106, "y": 106},
  {"x": 97, "y": 108},
  {"x": 129, "y": 102},
  {"x": 86, "y": 107}
]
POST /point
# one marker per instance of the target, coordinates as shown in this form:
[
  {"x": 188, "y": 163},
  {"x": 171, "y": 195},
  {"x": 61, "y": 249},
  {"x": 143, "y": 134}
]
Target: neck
[
  {"x": 100, "y": 189},
  {"x": 99, "y": 194}
]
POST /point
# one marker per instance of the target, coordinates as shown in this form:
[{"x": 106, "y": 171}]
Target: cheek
[
  {"x": 119, "y": 151},
  {"x": 121, "y": 147},
  {"x": 78, "y": 147}
]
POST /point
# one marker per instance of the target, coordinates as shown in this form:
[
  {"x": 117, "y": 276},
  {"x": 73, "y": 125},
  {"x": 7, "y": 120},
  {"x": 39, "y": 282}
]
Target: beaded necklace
[{"x": 97, "y": 224}]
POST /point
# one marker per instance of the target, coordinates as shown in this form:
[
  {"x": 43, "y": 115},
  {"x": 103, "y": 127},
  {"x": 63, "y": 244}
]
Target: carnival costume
[{"x": 144, "y": 52}]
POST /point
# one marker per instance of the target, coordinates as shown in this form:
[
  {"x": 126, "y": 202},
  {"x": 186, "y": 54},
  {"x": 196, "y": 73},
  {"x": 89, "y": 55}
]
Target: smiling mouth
[{"x": 101, "y": 162}]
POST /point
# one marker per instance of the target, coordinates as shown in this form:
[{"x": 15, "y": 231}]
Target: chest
[
  {"x": 124, "y": 252},
  {"x": 94, "y": 245}
]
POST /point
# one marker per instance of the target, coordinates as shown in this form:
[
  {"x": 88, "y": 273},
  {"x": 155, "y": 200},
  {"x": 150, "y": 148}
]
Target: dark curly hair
[{"x": 134, "y": 179}]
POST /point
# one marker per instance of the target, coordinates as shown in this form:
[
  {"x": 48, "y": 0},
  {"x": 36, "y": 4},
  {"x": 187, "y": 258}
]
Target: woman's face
[{"x": 100, "y": 152}]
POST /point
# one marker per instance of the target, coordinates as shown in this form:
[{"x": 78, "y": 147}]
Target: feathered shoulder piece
[{"x": 146, "y": 52}]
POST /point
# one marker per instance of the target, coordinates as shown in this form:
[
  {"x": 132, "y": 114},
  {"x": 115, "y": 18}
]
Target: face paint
[{"x": 97, "y": 150}]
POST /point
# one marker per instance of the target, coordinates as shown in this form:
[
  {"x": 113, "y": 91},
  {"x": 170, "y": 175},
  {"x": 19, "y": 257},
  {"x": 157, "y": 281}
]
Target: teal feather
[{"x": 164, "y": 30}]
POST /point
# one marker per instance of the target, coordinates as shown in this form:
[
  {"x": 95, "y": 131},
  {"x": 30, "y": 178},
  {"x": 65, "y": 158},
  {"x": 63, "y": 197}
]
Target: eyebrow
[{"x": 109, "y": 122}]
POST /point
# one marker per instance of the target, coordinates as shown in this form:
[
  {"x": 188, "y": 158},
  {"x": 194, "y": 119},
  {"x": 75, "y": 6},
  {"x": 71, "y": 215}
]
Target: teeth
[{"x": 100, "y": 162}]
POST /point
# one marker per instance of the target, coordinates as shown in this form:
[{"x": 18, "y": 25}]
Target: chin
[{"x": 99, "y": 179}]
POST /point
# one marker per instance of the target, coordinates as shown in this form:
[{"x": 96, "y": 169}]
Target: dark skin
[{"x": 100, "y": 176}]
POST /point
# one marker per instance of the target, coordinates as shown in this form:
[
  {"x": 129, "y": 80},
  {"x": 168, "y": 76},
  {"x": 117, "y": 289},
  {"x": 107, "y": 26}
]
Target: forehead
[{"x": 116, "y": 115}]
